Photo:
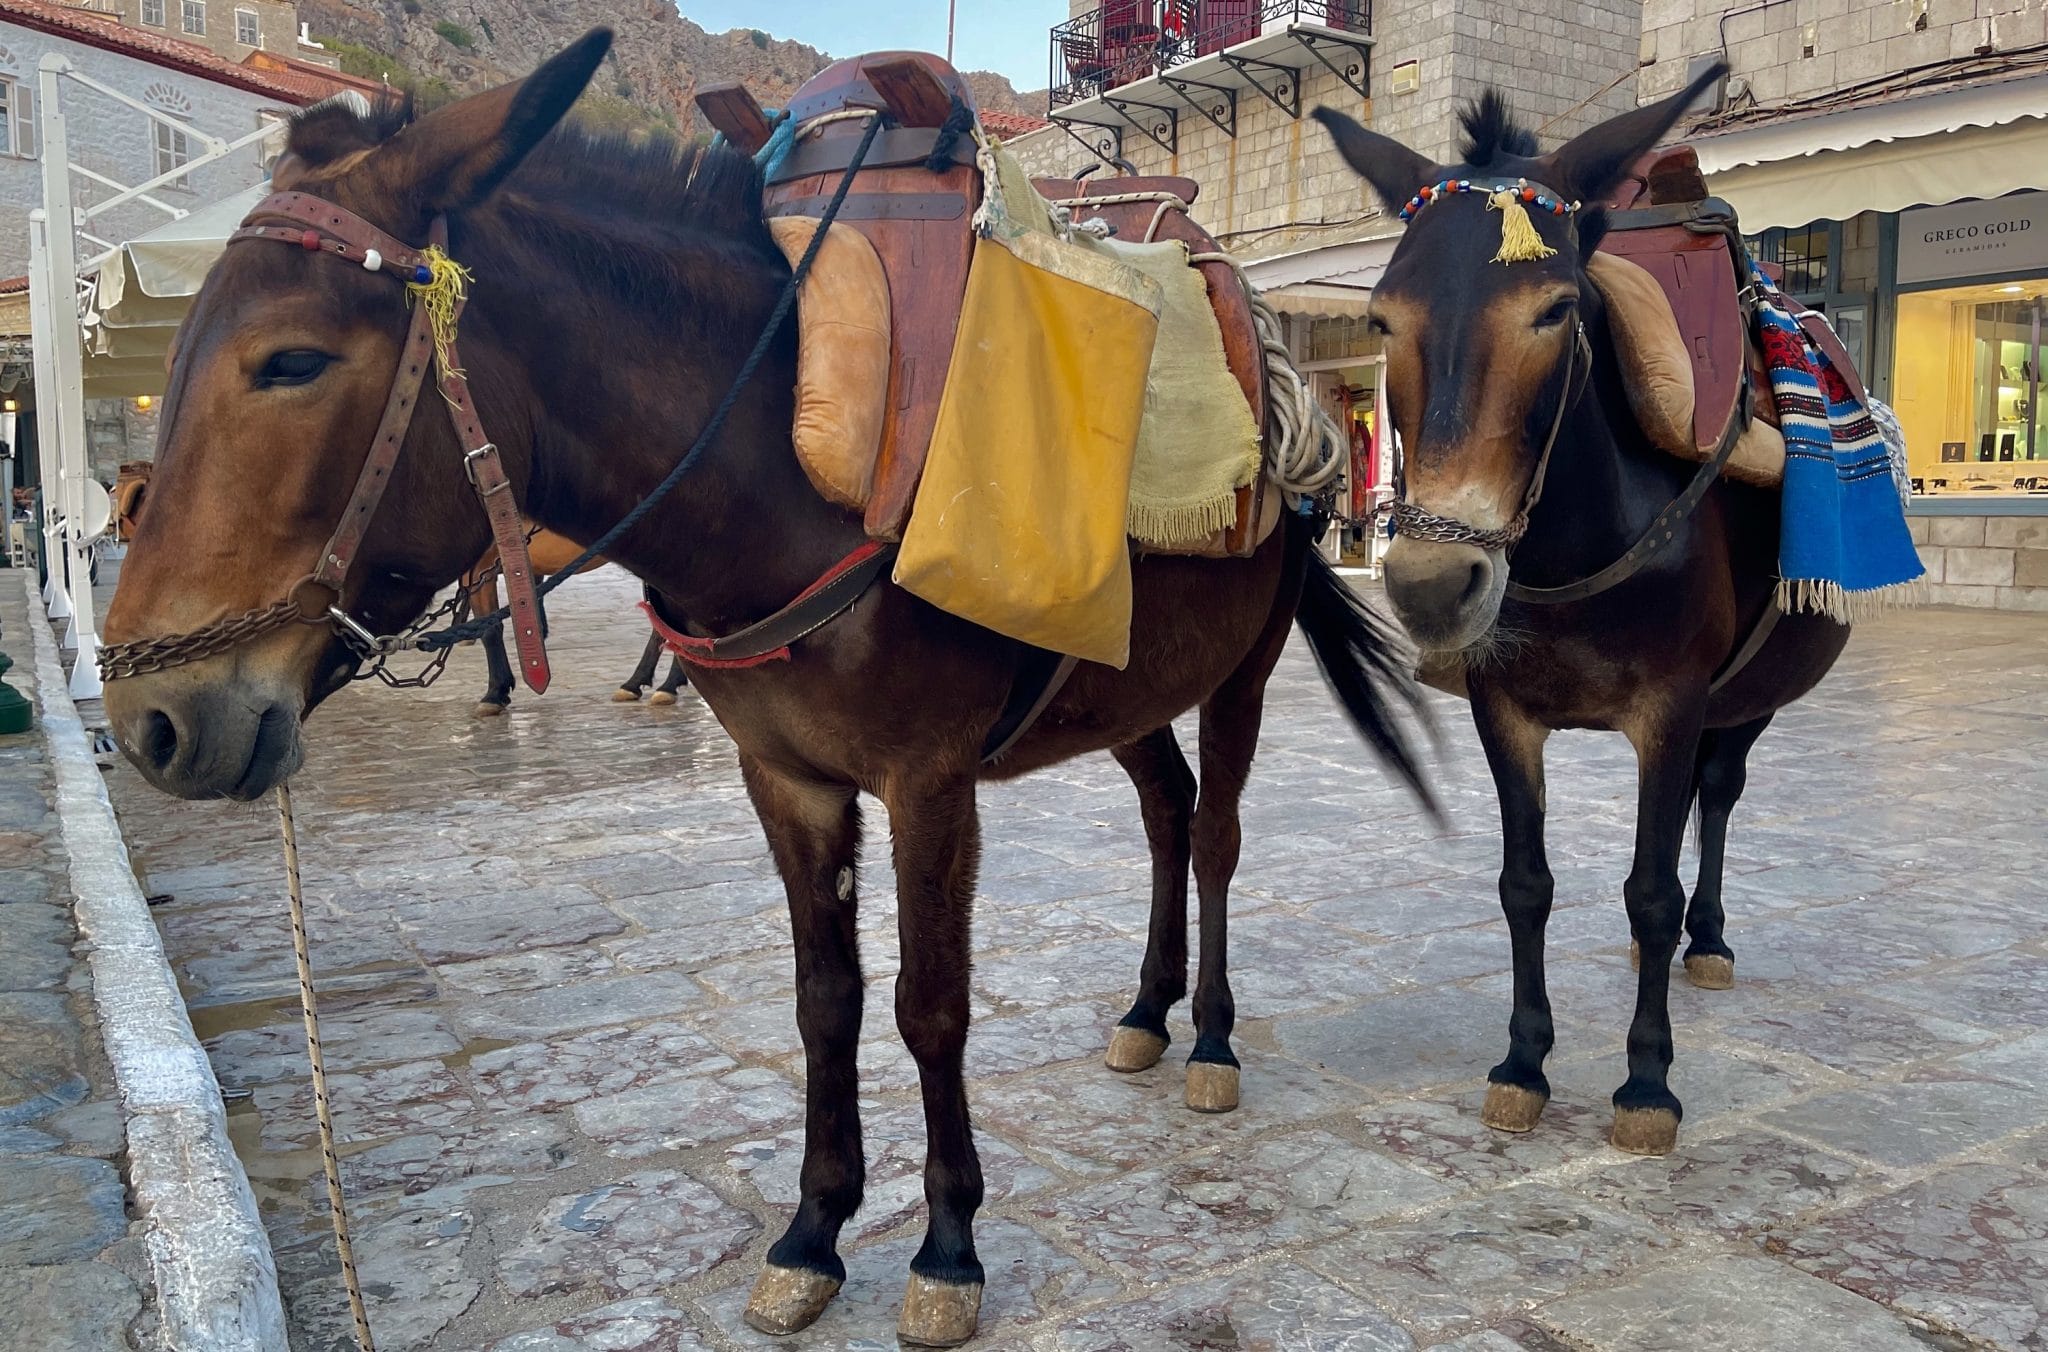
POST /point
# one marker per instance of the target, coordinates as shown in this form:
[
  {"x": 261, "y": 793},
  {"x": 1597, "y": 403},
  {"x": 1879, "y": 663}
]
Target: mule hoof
[
  {"x": 489, "y": 710},
  {"x": 1711, "y": 971},
  {"x": 625, "y": 696},
  {"x": 1510, "y": 1107},
  {"x": 662, "y": 697},
  {"x": 1133, "y": 1049},
  {"x": 938, "y": 1314},
  {"x": 1645, "y": 1131},
  {"x": 1212, "y": 1088},
  {"x": 788, "y": 1300}
]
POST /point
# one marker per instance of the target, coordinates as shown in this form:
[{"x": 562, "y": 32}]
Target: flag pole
[{"x": 949, "y": 31}]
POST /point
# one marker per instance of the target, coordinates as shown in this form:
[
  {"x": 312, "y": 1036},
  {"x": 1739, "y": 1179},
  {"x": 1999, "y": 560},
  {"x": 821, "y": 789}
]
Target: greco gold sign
[{"x": 1974, "y": 239}]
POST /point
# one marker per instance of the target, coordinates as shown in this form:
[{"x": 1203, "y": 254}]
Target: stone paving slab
[{"x": 567, "y": 1066}]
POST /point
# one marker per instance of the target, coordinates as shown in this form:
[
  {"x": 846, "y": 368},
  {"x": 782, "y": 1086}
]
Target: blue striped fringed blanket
[{"x": 1843, "y": 548}]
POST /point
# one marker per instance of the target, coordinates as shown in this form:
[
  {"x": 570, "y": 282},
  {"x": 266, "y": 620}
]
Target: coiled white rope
[{"x": 1305, "y": 449}]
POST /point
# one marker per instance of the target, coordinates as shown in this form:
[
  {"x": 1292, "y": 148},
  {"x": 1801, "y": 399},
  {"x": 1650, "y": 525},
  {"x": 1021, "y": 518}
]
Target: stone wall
[
  {"x": 1803, "y": 47},
  {"x": 113, "y": 139},
  {"x": 1280, "y": 177},
  {"x": 1993, "y": 562}
]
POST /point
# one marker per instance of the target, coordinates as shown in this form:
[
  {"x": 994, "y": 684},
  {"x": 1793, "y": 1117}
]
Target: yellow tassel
[
  {"x": 443, "y": 296},
  {"x": 1519, "y": 242}
]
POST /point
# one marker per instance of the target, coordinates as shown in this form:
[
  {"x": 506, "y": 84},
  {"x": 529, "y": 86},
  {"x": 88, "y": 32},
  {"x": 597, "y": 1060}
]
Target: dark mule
[
  {"x": 1479, "y": 356},
  {"x": 550, "y": 553},
  {"x": 618, "y": 288}
]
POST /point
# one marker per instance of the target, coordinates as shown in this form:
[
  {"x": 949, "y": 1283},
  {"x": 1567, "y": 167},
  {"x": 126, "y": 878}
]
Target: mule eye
[
  {"x": 1556, "y": 314},
  {"x": 1374, "y": 324},
  {"x": 294, "y": 367}
]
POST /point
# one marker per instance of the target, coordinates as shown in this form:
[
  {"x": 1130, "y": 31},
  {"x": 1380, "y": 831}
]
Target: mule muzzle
[
  {"x": 1447, "y": 594},
  {"x": 193, "y": 738}
]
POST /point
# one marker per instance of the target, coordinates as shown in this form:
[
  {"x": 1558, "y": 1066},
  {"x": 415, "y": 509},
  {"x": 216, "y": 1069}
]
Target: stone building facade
[
  {"x": 1892, "y": 159},
  {"x": 232, "y": 28}
]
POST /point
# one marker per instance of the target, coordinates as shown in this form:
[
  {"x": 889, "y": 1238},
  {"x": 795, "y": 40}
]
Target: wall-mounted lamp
[
  {"x": 144, "y": 402},
  {"x": 10, "y": 406}
]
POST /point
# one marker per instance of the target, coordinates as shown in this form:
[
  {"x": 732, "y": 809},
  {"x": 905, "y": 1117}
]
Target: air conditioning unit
[{"x": 1405, "y": 78}]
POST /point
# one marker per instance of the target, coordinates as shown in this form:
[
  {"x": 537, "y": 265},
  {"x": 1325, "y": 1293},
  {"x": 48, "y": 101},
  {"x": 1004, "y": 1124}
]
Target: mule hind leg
[
  {"x": 814, "y": 833},
  {"x": 677, "y": 679},
  {"x": 1166, "y": 801},
  {"x": 483, "y": 599},
  {"x": 643, "y": 673},
  {"x": 1721, "y": 773}
]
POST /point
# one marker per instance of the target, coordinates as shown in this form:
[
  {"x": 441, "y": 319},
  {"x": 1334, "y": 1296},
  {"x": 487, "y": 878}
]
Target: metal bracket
[
  {"x": 1285, "y": 90},
  {"x": 1357, "y": 72},
  {"x": 1219, "y": 104},
  {"x": 1164, "y": 134},
  {"x": 1109, "y": 145}
]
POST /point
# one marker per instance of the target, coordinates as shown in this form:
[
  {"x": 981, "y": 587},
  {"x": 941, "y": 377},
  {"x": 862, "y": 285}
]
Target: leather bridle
[
  {"x": 319, "y": 226},
  {"x": 1420, "y": 523}
]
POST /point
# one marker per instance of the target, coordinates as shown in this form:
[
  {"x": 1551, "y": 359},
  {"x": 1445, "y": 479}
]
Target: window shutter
[{"x": 24, "y": 122}]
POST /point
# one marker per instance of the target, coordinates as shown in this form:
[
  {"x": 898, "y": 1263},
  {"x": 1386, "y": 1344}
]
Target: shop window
[
  {"x": 1807, "y": 255},
  {"x": 1967, "y": 384}
]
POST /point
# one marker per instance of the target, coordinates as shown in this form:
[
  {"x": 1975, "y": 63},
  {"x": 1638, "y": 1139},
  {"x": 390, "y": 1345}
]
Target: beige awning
[
  {"x": 1321, "y": 300},
  {"x": 1886, "y": 175},
  {"x": 1324, "y": 279}
]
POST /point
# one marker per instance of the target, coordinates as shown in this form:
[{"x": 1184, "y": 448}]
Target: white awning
[
  {"x": 1326, "y": 279},
  {"x": 141, "y": 293},
  {"x": 1886, "y": 175},
  {"x": 1992, "y": 104}
]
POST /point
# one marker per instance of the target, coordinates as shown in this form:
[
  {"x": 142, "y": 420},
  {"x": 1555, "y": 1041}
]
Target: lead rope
[{"x": 336, "y": 1207}]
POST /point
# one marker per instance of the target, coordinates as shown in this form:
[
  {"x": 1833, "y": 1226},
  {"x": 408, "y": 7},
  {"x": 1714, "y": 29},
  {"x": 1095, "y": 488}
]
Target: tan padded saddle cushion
[
  {"x": 842, "y": 365},
  {"x": 1657, "y": 370}
]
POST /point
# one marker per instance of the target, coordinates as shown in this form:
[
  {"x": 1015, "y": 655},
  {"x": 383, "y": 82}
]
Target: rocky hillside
[{"x": 656, "y": 65}]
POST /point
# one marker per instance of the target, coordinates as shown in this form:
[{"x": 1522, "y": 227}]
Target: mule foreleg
[
  {"x": 1646, "y": 1112},
  {"x": 677, "y": 679},
  {"x": 1518, "y": 1089},
  {"x": 483, "y": 599},
  {"x": 814, "y": 833},
  {"x": 1721, "y": 775},
  {"x": 1166, "y": 802},
  {"x": 938, "y": 852}
]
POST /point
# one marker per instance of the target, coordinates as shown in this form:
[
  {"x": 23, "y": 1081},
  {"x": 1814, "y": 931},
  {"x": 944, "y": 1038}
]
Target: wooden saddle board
[
  {"x": 919, "y": 218},
  {"x": 1663, "y": 220}
]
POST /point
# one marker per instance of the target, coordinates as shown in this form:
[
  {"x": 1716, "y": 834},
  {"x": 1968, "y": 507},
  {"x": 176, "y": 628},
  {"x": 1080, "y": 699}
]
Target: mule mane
[
  {"x": 628, "y": 212},
  {"x": 1492, "y": 134}
]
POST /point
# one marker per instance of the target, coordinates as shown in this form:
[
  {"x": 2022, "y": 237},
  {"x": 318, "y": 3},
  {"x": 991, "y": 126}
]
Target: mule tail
[{"x": 1365, "y": 665}]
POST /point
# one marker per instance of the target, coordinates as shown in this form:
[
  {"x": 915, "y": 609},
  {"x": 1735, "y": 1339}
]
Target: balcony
[{"x": 1136, "y": 65}]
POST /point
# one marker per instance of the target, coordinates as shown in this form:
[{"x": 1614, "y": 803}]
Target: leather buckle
[{"x": 469, "y": 469}]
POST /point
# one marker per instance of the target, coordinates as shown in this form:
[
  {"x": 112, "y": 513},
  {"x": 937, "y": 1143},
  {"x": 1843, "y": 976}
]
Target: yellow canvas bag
[{"x": 1019, "y": 522}]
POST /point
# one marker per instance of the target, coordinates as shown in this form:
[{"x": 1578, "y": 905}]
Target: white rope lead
[{"x": 322, "y": 1110}]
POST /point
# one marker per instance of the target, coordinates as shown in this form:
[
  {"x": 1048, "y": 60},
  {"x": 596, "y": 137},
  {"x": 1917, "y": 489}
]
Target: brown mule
[
  {"x": 1497, "y": 370},
  {"x": 618, "y": 287}
]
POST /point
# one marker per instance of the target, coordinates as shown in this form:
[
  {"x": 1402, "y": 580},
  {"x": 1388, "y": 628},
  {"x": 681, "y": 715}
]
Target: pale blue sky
[{"x": 1006, "y": 36}]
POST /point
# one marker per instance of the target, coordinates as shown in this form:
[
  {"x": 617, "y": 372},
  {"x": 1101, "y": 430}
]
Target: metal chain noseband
[
  {"x": 1419, "y": 523},
  {"x": 160, "y": 654}
]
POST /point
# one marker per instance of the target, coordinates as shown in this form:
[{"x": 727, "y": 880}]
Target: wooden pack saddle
[
  {"x": 915, "y": 203},
  {"x": 1663, "y": 220}
]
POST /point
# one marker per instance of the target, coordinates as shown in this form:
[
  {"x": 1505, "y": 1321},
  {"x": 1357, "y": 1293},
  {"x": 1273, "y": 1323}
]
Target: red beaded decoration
[{"x": 310, "y": 241}]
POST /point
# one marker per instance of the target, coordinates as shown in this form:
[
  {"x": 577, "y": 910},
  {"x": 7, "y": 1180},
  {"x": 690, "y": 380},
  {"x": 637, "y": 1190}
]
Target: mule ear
[
  {"x": 454, "y": 157},
  {"x": 1394, "y": 170},
  {"x": 1592, "y": 164}
]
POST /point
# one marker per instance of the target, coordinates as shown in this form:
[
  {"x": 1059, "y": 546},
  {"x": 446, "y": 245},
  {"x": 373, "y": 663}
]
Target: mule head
[
  {"x": 1481, "y": 352},
  {"x": 279, "y": 378}
]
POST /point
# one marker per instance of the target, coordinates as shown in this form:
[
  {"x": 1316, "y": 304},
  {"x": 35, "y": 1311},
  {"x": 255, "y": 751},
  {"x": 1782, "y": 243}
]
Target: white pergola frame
[{"x": 59, "y": 292}]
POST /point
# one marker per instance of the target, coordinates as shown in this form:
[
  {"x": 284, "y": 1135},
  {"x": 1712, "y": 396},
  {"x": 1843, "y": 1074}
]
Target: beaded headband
[{"x": 1519, "y": 242}]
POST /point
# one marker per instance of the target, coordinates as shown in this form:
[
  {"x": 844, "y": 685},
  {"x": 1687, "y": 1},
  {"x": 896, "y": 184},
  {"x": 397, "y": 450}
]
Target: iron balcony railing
[{"x": 1128, "y": 40}]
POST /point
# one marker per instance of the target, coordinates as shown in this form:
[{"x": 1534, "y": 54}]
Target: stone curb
[{"x": 210, "y": 1261}]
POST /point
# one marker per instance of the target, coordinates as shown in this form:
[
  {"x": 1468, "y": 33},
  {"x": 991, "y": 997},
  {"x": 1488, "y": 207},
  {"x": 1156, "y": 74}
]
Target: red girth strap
[
  {"x": 768, "y": 640},
  {"x": 320, "y": 226}
]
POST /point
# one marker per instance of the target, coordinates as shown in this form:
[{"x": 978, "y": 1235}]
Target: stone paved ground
[
  {"x": 71, "y": 1277},
  {"x": 559, "y": 995}
]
